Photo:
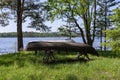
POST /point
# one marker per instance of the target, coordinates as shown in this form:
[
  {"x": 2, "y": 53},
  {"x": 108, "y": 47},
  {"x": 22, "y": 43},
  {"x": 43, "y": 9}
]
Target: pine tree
[{"x": 104, "y": 11}]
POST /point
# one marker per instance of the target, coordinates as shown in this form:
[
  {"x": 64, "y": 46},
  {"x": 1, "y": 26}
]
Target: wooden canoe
[{"x": 60, "y": 46}]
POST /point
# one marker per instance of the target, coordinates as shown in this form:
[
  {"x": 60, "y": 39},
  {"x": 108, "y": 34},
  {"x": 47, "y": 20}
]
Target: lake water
[{"x": 8, "y": 45}]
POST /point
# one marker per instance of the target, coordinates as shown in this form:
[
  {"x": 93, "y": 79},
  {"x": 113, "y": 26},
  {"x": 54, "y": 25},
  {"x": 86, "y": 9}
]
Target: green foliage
[
  {"x": 113, "y": 36},
  {"x": 113, "y": 39},
  {"x": 116, "y": 16},
  {"x": 104, "y": 12},
  {"x": 66, "y": 31},
  {"x": 61, "y": 9},
  {"x": 4, "y": 13},
  {"x": 78, "y": 11}
]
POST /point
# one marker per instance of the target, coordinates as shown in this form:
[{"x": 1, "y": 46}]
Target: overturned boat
[{"x": 47, "y": 46}]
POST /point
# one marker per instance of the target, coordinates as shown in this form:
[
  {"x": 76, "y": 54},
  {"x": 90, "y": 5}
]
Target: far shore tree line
[
  {"x": 89, "y": 18},
  {"x": 37, "y": 34}
]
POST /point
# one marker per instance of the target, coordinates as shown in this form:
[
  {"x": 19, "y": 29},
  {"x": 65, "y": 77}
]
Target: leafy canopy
[
  {"x": 113, "y": 36},
  {"x": 79, "y": 11}
]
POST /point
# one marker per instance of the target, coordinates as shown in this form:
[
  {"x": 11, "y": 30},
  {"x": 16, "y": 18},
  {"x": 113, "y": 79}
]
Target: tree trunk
[
  {"x": 19, "y": 26},
  {"x": 101, "y": 38},
  {"x": 88, "y": 37},
  {"x": 105, "y": 24},
  {"x": 80, "y": 29},
  {"x": 94, "y": 21},
  {"x": 87, "y": 30},
  {"x": 82, "y": 33}
]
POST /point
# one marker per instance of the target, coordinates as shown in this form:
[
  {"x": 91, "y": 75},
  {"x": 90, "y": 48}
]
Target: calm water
[{"x": 8, "y": 45}]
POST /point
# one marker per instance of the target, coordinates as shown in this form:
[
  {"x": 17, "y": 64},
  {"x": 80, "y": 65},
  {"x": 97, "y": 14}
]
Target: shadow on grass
[
  {"x": 109, "y": 54},
  {"x": 69, "y": 61},
  {"x": 23, "y": 60},
  {"x": 7, "y": 59},
  {"x": 6, "y": 63},
  {"x": 15, "y": 59},
  {"x": 71, "y": 77}
]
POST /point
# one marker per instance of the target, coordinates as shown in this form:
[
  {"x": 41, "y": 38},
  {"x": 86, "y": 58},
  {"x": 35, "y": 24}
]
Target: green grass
[{"x": 28, "y": 66}]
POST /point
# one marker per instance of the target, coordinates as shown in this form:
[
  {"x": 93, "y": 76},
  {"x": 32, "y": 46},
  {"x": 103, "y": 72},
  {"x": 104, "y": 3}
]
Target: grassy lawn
[{"x": 26, "y": 66}]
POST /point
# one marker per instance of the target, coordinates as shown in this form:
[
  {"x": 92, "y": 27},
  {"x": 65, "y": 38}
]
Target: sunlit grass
[{"x": 29, "y": 66}]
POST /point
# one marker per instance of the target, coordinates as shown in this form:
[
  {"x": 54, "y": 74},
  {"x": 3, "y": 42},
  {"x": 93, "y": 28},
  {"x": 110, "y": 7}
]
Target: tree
[
  {"x": 4, "y": 14},
  {"x": 22, "y": 10},
  {"x": 77, "y": 11},
  {"x": 113, "y": 36},
  {"x": 104, "y": 11}
]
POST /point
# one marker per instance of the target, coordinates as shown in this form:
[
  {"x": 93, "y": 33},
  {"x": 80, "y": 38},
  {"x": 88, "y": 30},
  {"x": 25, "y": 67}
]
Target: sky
[{"x": 12, "y": 27}]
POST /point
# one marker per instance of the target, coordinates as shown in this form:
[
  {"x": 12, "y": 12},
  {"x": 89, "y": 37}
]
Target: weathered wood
[{"x": 62, "y": 46}]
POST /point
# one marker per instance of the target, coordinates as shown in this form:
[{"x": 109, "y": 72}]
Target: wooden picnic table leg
[
  {"x": 48, "y": 56},
  {"x": 84, "y": 54}
]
